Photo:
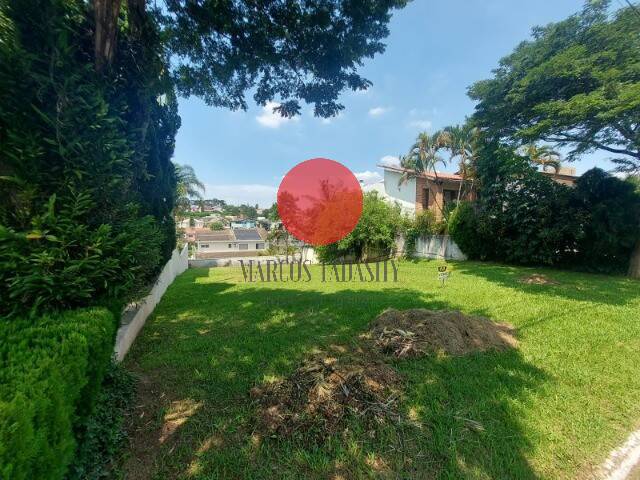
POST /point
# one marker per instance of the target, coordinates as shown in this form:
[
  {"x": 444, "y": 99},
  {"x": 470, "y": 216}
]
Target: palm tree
[
  {"x": 544, "y": 156},
  {"x": 423, "y": 157},
  {"x": 462, "y": 143},
  {"x": 188, "y": 186}
]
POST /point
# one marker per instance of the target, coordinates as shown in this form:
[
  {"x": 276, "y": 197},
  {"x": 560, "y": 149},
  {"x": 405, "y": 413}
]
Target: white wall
[
  {"x": 223, "y": 246},
  {"x": 136, "y": 315},
  {"x": 390, "y": 190},
  {"x": 438, "y": 246}
]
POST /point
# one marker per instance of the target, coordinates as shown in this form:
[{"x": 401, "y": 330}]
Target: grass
[{"x": 553, "y": 408}]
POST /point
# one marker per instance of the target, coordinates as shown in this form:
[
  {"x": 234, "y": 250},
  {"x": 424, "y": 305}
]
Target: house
[
  {"x": 230, "y": 242},
  {"x": 428, "y": 191},
  {"x": 245, "y": 223},
  {"x": 425, "y": 191},
  {"x": 564, "y": 175}
]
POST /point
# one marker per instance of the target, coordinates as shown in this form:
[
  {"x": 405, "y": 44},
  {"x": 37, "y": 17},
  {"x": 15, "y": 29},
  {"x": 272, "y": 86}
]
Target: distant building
[
  {"x": 564, "y": 175},
  {"x": 243, "y": 223},
  {"x": 428, "y": 191},
  {"x": 238, "y": 242}
]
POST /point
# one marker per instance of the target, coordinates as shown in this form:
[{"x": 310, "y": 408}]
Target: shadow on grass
[
  {"x": 209, "y": 343},
  {"x": 611, "y": 290}
]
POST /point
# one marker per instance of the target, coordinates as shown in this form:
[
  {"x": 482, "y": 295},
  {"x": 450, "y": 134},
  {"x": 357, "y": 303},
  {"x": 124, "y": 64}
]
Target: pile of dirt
[
  {"x": 319, "y": 396},
  {"x": 538, "y": 279},
  {"x": 418, "y": 332}
]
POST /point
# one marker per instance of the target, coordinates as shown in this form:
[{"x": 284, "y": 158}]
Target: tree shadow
[
  {"x": 585, "y": 287},
  {"x": 209, "y": 343}
]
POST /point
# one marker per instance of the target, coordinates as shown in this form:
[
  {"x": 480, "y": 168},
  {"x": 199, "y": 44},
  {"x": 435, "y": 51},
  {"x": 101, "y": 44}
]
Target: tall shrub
[
  {"x": 50, "y": 375},
  {"x": 374, "y": 235}
]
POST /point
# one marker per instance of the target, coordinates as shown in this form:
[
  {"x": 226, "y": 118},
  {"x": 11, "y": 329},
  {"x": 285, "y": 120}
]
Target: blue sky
[{"x": 434, "y": 52}]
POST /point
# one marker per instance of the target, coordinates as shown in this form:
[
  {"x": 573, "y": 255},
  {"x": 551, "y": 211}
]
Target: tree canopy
[
  {"x": 576, "y": 83},
  {"x": 295, "y": 50}
]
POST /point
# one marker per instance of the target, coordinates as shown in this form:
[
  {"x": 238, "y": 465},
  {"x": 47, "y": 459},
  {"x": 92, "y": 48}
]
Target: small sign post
[{"x": 443, "y": 274}]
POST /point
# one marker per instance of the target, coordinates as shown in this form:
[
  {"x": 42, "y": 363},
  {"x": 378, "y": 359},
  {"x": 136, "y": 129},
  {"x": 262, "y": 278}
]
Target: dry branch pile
[
  {"x": 323, "y": 391},
  {"x": 418, "y": 332}
]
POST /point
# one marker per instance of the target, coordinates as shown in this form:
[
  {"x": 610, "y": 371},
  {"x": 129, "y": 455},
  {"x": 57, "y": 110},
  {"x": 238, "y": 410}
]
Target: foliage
[
  {"x": 423, "y": 224},
  {"x": 272, "y": 213},
  {"x": 51, "y": 374},
  {"x": 102, "y": 434},
  {"x": 374, "y": 235},
  {"x": 62, "y": 261},
  {"x": 469, "y": 232},
  {"x": 188, "y": 186},
  {"x": 524, "y": 217},
  {"x": 86, "y": 186},
  {"x": 576, "y": 83},
  {"x": 543, "y": 156},
  {"x": 244, "y": 210},
  {"x": 296, "y": 50},
  {"x": 217, "y": 226},
  {"x": 612, "y": 221}
]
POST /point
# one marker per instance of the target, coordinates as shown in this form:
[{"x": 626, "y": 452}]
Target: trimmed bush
[{"x": 50, "y": 374}]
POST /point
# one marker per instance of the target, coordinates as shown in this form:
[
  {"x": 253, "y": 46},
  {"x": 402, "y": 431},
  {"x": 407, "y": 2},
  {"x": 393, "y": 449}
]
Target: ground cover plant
[{"x": 550, "y": 408}]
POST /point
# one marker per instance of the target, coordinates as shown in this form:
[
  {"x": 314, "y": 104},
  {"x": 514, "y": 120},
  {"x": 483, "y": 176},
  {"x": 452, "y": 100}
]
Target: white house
[{"x": 232, "y": 241}]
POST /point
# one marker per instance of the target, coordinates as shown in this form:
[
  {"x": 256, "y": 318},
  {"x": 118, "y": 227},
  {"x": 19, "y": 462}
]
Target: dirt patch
[
  {"x": 323, "y": 392},
  {"x": 418, "y": 332},
  {"x": 538, "y": 279}
]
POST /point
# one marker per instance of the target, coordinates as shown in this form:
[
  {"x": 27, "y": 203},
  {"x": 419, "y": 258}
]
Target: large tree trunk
[
  {"x": 634, "y": 263},
  {"x": 106, "y": 24}
]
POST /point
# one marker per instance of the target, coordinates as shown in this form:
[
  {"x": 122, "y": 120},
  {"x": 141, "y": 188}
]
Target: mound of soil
[
  {"x": 418, "y": 332},
  {"x": 538, "y": 279},
  {"x": 318, "y": 397}
]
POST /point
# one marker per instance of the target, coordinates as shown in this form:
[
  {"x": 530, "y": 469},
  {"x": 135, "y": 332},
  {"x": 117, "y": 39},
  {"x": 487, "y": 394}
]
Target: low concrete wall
[
  {"x": 136, "y": 315},
  {"x": 235, "y": 261},
  {"x": 438, "y": 246}
]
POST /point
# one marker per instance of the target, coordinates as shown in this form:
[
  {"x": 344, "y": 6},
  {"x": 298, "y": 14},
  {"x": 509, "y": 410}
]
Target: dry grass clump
[
  {"x": 418, "y": 332},
  {"x": 319, "y": 396},
  {"x": 537, "y": 279}
]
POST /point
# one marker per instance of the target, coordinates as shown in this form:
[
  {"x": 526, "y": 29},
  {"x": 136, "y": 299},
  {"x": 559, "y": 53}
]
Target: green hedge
[{"x": 50, "y": 374}]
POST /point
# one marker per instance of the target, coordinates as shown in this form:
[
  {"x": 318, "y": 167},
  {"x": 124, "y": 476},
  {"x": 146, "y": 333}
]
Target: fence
[
  {"x": 438, "y": 246},
  {"x": 136, "y": 315}
]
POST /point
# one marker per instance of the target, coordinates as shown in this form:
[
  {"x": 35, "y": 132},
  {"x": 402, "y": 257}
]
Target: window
[
  {"x": 425, "y": 198},
  {"x": 204, "y": 245},
  {"x": 229, "y": 245},
  {"x": 259, "y": 246},
  {"x": 450, "y": 196},
  {"x": 243, "y": 246}
]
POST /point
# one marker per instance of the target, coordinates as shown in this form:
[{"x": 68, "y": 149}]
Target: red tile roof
[{"x": 441, "y": 175}]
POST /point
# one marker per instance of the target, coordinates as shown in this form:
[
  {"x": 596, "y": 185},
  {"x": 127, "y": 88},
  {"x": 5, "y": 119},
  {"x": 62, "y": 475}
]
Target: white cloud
[
  {"x": 263, "y": 195},
  {"x": 270, "y": 119},
  {"x": 390, "y": 161},
  {"x": 367, "y": 177},
  {"x": 377, "y": 111},
  {"x": 421, "y": 124}
]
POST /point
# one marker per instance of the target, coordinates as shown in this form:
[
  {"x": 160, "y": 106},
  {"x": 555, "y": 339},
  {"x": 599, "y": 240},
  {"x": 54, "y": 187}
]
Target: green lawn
[{"x": 553, "y": 408}]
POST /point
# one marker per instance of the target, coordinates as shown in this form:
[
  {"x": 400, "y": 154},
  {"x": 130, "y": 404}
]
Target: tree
[
  {"x": 462, "y": 143},
  {"x": 424, "y": 156},
  {"x": 543, "y": 156},
  {"x": 295, "y": 50},
  {"x": 188, "y": 187},
  {"x": 576, "y": 83}
]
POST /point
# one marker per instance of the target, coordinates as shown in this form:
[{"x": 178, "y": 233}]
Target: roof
[
  {"x": 231, "y": 235},
  {"x": 247, "y": 234},
  {"x": 454, "y": 177},
  {"x": 215, "y": 236}
]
